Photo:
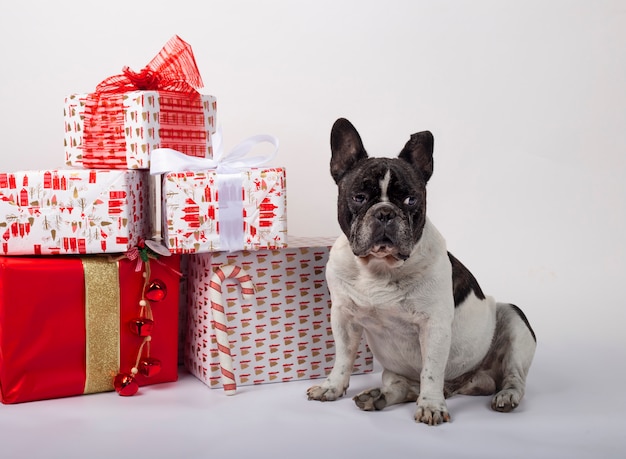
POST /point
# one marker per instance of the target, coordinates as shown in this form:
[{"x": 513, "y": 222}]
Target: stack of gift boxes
[{"x": 111, "y": 277}]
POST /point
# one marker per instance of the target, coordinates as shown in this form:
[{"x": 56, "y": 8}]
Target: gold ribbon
[{"x": 102, "y": 323}]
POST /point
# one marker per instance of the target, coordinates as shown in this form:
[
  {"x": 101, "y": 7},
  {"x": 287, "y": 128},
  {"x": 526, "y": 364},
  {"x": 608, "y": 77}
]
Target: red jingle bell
[
  {"x": 156, "y": 291},
  {"x": 141, "y": 326},
  {"x": 125, "y": 384},
  {"x": 149, "y": 366}
]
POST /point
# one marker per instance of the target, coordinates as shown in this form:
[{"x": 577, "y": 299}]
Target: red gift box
[{"x": 64, "y": 324}]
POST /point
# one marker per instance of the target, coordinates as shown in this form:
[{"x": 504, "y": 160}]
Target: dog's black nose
[{"x": 384, "y": 214}]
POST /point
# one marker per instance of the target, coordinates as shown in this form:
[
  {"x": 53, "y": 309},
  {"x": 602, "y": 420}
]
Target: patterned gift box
[
  {"x": 192, "y": 211},
  {"x": 282, "y": 333},
  {"x": 73, "y": 211},
  {"x": 129, "y": 115},
  {"x": 145, "y": 120},
  {"x": 70, "y": 334}
]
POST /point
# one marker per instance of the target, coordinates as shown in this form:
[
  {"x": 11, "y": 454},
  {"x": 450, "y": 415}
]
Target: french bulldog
[{"x": 424, "y": 316}]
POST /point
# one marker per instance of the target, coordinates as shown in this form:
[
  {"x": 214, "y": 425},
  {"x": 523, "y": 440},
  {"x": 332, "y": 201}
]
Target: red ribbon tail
[{"x": 176, "y": 62}]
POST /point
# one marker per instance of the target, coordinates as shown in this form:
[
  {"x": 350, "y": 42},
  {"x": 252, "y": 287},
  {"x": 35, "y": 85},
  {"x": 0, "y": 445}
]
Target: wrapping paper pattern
[
  {"x": 73, "y": 211},
  {"x": 45, "y": 331},
  {"x": 191, "y": 210},
  {"x": 283, "y": 334},
  {"x": 148, "y": 120}
]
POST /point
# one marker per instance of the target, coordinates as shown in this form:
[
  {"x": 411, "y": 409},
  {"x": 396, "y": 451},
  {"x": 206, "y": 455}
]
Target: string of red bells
[{"x": 153, "y": 291}]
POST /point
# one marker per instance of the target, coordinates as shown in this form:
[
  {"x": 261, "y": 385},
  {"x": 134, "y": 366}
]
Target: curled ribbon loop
[
  {"x": 228, "y": 167},
  {"x": 144, "y": 80}
]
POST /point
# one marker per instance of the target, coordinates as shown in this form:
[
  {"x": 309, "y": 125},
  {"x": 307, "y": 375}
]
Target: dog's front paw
[
  {"x": 325, "y": 393},
  {"x": 371, "y": 400},
  {"x": 432, "y": 413},
  {"x": 506, "y": 400}
]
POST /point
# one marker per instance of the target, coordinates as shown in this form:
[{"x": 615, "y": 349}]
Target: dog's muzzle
[{"x": 382, "y": 233}]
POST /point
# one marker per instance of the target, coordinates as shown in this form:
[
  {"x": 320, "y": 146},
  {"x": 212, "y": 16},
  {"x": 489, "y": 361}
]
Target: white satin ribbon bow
[
  {"x": 164, "y": 160},
  {"x": 228, "y": 167}
]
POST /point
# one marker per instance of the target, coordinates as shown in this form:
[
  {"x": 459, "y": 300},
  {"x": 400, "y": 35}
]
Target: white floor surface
[{"x": 574, "y": 408}]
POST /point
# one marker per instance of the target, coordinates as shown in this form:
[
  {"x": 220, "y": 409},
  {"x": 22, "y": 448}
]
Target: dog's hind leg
[
  {"x": 512, "y": 352},
  {"x": 478, "y": 382},
  {"x": 395, "y": 389}
]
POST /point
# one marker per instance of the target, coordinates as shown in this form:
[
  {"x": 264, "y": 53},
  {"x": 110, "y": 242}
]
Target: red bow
[
  {"x": 134, "y": 254},
  {"x": 173, "y": 69},
  {"x": 148, "y": 250}
]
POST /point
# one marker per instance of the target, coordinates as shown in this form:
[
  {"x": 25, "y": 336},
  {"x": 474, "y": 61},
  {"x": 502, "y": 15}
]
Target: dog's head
[{"x": 381, "y": 201}]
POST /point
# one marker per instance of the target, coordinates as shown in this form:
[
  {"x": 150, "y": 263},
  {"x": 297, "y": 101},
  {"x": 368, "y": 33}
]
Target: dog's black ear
[
  {"x": 346, "y": 147},
  {"x": 418, "y": 151}
]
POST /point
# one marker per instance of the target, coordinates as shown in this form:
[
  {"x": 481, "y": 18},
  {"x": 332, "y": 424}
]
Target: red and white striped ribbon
[{"x": 219, "y": 318}]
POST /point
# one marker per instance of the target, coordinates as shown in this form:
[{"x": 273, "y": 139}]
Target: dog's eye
[
  {"x": 359, "y": 198},
  {"x": 410, "y": 201}
]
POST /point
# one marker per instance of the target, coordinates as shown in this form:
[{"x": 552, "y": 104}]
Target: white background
[{"x": 527, "y": 102}]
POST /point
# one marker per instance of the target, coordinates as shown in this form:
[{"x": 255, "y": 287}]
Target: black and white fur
[{"x": 423, "y": 314}]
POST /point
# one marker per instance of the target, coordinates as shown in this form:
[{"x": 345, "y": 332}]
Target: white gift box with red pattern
[
  {"x": 73, "y": 211},
  {"x": 192, "y": 210},
  {"x": 281, "y": 333},
  {"x": 146, "y": 120}
]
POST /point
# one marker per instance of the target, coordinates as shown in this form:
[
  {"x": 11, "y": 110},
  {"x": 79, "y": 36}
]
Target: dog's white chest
[{"x": 390, "y": 327}]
